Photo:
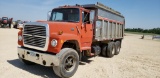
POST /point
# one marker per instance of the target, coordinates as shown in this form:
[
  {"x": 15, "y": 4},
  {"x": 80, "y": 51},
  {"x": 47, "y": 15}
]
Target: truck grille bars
[{"x": 36, "y": 36}]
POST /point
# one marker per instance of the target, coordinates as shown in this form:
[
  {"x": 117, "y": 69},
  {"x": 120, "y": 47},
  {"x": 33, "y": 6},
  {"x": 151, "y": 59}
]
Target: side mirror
[
  {"x": 91, "y": 18},
  {"x": 48, "y": 15}
]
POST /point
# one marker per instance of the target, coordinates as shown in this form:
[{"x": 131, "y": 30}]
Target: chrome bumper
[{"x": 37, "y": 57}]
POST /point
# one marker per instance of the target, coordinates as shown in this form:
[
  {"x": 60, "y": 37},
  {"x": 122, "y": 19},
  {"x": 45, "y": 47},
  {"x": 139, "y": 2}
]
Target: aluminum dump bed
[{"x": 108, "y": 24}]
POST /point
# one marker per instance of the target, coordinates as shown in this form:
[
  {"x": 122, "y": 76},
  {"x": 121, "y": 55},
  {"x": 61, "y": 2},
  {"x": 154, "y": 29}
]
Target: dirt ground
[{"x": 139, "y": 58}]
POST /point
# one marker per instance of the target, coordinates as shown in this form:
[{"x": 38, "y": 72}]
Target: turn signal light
[{"x": 60, "y": 32}]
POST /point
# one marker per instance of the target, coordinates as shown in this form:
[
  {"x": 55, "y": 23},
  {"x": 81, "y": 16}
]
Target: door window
[{"x": 85, "y": 18}]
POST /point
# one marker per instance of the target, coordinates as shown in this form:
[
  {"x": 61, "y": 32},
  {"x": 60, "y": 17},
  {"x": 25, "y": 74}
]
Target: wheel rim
[{"x": 70, "y": 63}]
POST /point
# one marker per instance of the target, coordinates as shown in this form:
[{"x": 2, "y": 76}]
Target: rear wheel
[
  {"x": 118, "y": 47},
  {"x": 111, "y": 49},
  {"x": 104, "y": 51},
  {"x": 69, "y": 62}
]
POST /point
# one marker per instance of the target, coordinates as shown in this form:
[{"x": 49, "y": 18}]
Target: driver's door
[{"x": 86, "y": 31}]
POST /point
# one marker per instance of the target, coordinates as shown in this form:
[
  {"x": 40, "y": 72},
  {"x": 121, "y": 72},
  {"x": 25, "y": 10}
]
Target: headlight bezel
[{"x": 54, "y": 43}]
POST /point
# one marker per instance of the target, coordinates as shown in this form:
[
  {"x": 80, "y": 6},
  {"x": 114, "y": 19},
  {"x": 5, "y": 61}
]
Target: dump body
[{"x": 108, "y": 24}]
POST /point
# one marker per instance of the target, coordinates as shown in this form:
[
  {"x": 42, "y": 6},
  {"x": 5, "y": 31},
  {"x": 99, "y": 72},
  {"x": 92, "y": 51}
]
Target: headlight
[
  {"x": 20, "y": 38},
  {"x": 54, "y": 42}
]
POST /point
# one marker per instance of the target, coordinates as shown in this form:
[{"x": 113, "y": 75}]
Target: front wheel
[{"x": 69, "y": 61}]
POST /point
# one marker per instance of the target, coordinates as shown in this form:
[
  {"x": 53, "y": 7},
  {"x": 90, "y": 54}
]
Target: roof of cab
[{"x": 73, "y": 6}]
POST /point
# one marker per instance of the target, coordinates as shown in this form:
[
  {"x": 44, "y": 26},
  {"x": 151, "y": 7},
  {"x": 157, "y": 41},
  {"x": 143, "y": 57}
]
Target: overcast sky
[{"x": 138, "y": 13}]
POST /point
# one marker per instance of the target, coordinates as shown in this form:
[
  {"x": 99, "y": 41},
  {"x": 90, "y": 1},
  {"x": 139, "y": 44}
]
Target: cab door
[{"x": 86, "y": 31}]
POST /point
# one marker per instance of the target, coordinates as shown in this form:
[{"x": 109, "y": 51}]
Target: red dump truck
[{"x": 70, "y": 33}]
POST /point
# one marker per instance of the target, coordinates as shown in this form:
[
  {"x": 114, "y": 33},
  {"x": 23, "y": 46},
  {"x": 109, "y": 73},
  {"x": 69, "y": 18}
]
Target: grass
[{"x": 140, "y": 33}]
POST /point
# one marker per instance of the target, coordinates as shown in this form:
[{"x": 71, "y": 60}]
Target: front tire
[{"x": 69, "y": 61}]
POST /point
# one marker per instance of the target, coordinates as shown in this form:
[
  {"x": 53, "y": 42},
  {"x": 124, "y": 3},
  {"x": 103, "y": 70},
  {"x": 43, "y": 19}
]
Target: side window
[{"x": 85, "y": 18}]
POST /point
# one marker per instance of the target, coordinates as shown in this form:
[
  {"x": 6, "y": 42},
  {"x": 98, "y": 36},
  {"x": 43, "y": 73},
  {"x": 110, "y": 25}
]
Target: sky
[{"x": 138, "y": 13}]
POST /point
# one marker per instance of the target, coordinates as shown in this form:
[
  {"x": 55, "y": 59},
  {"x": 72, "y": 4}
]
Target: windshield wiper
[
  {"x": 70, "y": 20},
  {"x": 57, "y": 20}
]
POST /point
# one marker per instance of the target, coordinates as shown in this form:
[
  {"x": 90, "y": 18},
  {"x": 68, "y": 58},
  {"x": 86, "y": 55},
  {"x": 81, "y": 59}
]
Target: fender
[{"x": 61, "y": 39}]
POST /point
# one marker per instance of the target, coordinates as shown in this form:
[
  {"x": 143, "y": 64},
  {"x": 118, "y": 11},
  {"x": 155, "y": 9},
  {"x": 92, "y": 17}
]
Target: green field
[{"x": 140, "y": 33}]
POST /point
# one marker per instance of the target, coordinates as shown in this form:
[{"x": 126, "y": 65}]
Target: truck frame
[{"x": 70, "y": 33}]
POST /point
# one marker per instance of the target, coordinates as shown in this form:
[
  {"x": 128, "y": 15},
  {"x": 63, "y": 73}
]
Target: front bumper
[{"x": 38, "y": 57}]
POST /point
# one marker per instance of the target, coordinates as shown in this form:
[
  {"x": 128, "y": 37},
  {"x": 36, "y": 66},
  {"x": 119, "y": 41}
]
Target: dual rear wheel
[{"x": 111, "y": 49}]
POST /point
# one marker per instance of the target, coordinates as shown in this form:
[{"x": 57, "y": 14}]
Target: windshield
[
  {"x": 20, "y": 22},
  {"x": 65, "y": 15},
  {"x": 4, "y": 18}
]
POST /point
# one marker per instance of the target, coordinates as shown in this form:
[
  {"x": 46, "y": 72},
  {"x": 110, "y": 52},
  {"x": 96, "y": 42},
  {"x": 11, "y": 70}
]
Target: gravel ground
[{"x": 139, "y": 58}]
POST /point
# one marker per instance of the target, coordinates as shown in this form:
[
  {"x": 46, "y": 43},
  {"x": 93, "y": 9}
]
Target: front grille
[{"x": 34, "y": 35}]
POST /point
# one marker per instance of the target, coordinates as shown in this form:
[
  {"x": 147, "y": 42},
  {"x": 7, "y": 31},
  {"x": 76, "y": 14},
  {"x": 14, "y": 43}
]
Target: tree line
[{"x": 154, "y": 30}]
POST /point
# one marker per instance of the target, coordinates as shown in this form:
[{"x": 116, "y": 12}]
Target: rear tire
[
  {"x": 69, "y": 61},
  {"x": 104, "y": 50},
  {"x": 118, "y": 47},
  {"x": 111, "y": 49}
]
